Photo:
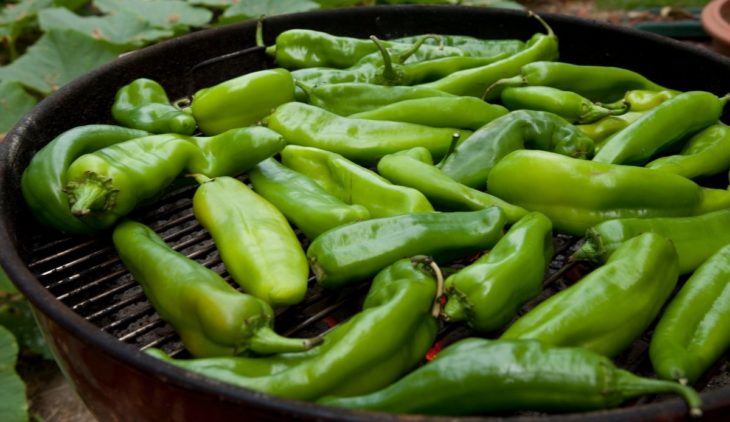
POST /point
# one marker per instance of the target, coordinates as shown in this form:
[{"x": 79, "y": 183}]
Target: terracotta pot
[{"x": 716, "y": 20}]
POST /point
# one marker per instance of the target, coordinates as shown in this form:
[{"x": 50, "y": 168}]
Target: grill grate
[{"x": 88, "y": 277}]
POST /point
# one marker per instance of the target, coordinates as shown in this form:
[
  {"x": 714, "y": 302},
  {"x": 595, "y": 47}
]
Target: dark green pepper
[
  {"x": 705, "y": 154},
  {"x": 241, "y": 101},
  {"x": 476, "y": 376},
  {"x": 212, "y": 318},
  {"x": 356, "y": 251},
  {"x": 578, "y": 194},
  {"x": 661, "y": 127},
  {"x": 301, "y": 48},
  {"x": 45, "y": 177},
  {"x": 471, "y": 46},
  {"x": 414, "y": 168},
  {"x": 696, "y": 238},
  {"x": 367, "y": 352},
  {"x": 610, "y": 307},
  {"x": 488, "y": 292},
  {"x": 143, "y": 104},
  {"x": 364, "y": 141},
  {"x": 694, "y": 330},
  {"x": 306, "y": 204},
  {"x": 474, "y": 158},
  {"x": 568, "y": 105},
  {"x": 259, "y": 248}
]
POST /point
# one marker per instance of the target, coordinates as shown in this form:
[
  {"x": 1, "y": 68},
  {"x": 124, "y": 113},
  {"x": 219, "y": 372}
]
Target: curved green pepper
[
  {"x": 548, "y": 183},
  {"x": 471, "y": 46},
  {"x": 302, "y": 48},
  {"x": 354, "y": 184},
  {"x": 241, "y": 101},
  {"x": 568, "y": 105},
  {"x": 705, "y": 154},
  {"x": 257, "y": 245},
  {"x": 661, "y": 127},
  {"x": 406, "y": 169},
  {"x": 476, "y": 376},
  {"x": 473, "y": 159},
  {"x": 367, "y": 352},
  {"x": 143, "y": 104},
  {"x": 306, "y": 204},
  {"x": 212, "y": 318},
  {"x": 611, "y": 306},
  {"x": 488, "y": 292},
  {"x": 693, "y": 331},
  {"x": 643, "y": 100},
  {"x": 45, "y": 177},
  {"x": 359, "y": 140},
  {"x": 356, "y": 251},
  {"x": 601, "y": 129},
  {"x": 696, "y": 238}
]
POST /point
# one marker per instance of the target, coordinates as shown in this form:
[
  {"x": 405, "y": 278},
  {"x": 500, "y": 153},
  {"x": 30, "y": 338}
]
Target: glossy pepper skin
[
  {"x": 547, "y": 182},
  {"x": 692, "y": 333},
  {"x": 143, "y": 104},
  {"x": 354, "y": 252},
  {"x": 566, "y": 104},
  {"x": 473, "y": 159},
  {"x": 705, "y": 154},
  {"x": 110, "y": 182},
  {"x": 611, "y": 306},
  {"x": 364, "y": 141},
  {"x": 643, "y": 100},
  {"x": 354, "y": 184},
  {"x": 476, "y": 376},
  {"x": 488, "y": 292},
  {"x": 306, "y": 204},
  {"x": 259, "y": 248},
  {"x": 212, "y": 318},
  {"x": 661, "y": 127},
  {"x": 471, "y": 46},
  {"x": 241, "y": 101},
  {"x": 414, "y": 168},
  {"x": 696, "y": 238},
  {"x": 456, "y": 112},
  {"x": 45, "y": 177},
  {"x": 602, "y": 129},
  {"x": 372, "y": 349}
]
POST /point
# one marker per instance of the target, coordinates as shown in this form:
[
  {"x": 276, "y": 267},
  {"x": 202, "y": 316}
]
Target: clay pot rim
[{"x": 714, "y": 23}]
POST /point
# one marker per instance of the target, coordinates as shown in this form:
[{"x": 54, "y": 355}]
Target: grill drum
[{"x": 95, "y": 316}]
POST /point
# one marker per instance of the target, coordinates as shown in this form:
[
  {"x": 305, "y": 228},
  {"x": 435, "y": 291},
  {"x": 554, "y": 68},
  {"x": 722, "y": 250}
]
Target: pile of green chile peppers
[
  {"x": 143, "y": 104},
  {"x": 705, "y": 154},
  {"x": 212, "y": 318},
  {"x": 610, "y": 307},
  {"x": 476, "y": 376},
  {"x": 369, "y": 351},
  {"x": 566, "y": 104}
]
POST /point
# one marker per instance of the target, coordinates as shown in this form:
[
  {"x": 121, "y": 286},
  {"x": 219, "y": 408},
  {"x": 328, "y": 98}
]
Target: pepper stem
[
  {"x": 452, "y": 146},
  {"x": 266, "y": 341},
  {"x": 200, "y": 178},
  {"x": 402, "y": 57},
  {"x": 260, "y": 32},
  {"x": 630, "y": 385},
  {"x": 92, "y": 193},
  {"x": 550, "y": 32},
  {"x": 436, "y": 309},
  {"x": 495, "y": 90},
  {"x": 304, "y": 87},
  {"x": 389, "y": 72}
]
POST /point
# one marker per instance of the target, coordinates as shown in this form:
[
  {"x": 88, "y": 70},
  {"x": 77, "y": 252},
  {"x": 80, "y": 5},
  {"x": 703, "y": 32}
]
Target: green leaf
[
  {"x": 14, "y": 103},
  {"x": 251, "y": 9},
  {"x": 16, "y": 316},
  {"x": 222, "y": 4},
  {"x": 122, "y": 29},
  {"x": 70, "y": 4},
  {"x": 57, "y": 58},
  {"x": 13, "y": 404},
  {"x": 168, "y": 14}
]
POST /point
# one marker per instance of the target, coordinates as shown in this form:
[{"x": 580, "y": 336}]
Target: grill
[{"x": 95, "y": 315}]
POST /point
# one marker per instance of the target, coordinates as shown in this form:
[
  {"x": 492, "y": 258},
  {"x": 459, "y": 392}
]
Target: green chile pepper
[
  {"x": 369, "y": 351},
  {"x": 488, "y": 292},
  {"x": 476, "y": 376},
  {"x": 212, "y": 318},
  {"x": 45, "y": 177},
  {"x": 473, "y": 159},
  {"x": 364, "y": 141},
  {"x": 457, "y": 112},
  {"x": 661, "y": 127},
  {"x": 610, "y": 307},
  {"x": 306, "y": 204},
  {"x": 705, "y": 154},
  {"x": 354, "y": 184},
  {"x": 643, "y": 100},
  {"x": 259, "y": 248},
  {"x": 405, "y": 169},
  {"x": 241, "y": 101},
  {"x": 143, "y": 104},
  {"x": 601, "y": 129},
  {"x": 693, "y": 331},
  {"x": 301, "y": 48},
  {"x": 471, "y": 46},
  {"x": 356, "y": 251},
  {"x": 548, "y": 183},
  {"x": 568, "y": 105},
  {"x": 696, "y": 238}
]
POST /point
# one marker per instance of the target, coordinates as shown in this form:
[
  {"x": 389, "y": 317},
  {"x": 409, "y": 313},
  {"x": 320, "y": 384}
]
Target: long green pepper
[
  {"x": 143, "y": 104},
  {"x": 705, "y": 154}
]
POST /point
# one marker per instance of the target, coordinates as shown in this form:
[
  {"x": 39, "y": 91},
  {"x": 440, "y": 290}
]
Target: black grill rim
[{"x": 43, "y": 301}]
